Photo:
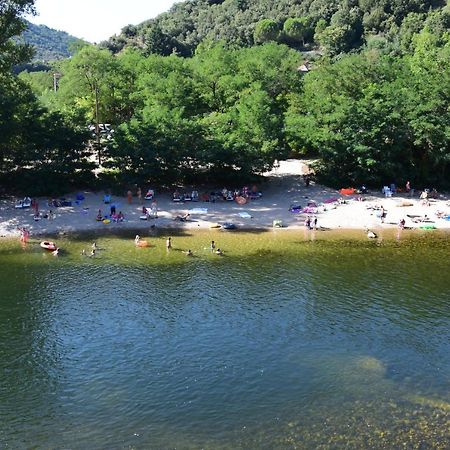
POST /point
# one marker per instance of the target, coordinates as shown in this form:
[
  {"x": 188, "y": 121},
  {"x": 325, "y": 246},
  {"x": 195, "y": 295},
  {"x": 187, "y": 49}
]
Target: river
[{"x": 288, "y": 340}]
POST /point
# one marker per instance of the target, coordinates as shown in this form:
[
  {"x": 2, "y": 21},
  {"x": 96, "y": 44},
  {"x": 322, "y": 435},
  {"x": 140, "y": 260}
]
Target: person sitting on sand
[
  {"x": 401, "y": 224},
  {"x": 424, "y": 198}
]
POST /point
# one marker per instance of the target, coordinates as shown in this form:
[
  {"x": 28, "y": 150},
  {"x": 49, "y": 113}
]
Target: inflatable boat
[
  {"x": 48, "y": 245},
  {"x": 141, "y": 243}
]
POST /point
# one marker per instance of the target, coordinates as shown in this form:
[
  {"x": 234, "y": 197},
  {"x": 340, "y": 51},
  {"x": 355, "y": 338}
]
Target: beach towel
[
  {"x": 198, "y": 211},
  {"x": 331, "y": 200},
  {"x": 245, "y": 215},
  {"x": 309, "y": 210}
]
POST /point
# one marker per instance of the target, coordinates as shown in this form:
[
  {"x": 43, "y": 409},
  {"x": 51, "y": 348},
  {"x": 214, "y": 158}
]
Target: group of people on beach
[
  {"x": 114, "y": 216},
  {"x": 148, "y": 196},
  {"x": 225, "y": 194}
]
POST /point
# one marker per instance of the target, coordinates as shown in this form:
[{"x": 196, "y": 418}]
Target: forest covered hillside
[
  {"x": 49, "y": 44},
  {"x": 336, "y": 26}
]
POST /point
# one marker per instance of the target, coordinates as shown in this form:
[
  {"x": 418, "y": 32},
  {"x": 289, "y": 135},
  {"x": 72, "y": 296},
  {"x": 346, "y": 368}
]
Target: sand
[{"x": 283, "y": 187}]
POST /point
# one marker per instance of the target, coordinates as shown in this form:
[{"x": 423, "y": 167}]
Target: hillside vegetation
[
  {"x": 374, "y": 109},
  {"x": 335, "y": 25},
  {"x": 48, "y": 44}
]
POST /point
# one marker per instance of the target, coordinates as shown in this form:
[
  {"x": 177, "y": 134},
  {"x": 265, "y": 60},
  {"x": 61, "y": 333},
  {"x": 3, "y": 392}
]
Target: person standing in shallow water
[
  {"x": 169, "y": 243},
  {"x": 139, "y": 194},
  {"x": 308, "y": 222},
  {"x": 213, "y": 245}
]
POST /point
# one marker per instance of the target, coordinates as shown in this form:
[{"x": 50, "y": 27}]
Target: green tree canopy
[
  {"x": 12, "y": 25},
  {"x": 266, "y": 30},
  {"x": 297, "y": 30}
]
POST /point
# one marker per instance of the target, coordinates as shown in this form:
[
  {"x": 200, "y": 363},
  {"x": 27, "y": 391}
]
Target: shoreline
[
  {"x": 283, "y": 188},
  {"x": 337, "y": 234}
]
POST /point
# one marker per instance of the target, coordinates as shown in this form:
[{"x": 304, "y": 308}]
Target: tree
[
  {"x": 334, "y": 39},
  {"x": 319, "y": 28},
  {"x": 36, "y": 145},
  {"x": 266, "y": 30},
  {"x": 11, "y": 25},
  {"x": 297, "y": 30},
  {"x": 372, "y": 119},
  {"x": 158, "y": 42},
  {"x": 411, "y": 25}
]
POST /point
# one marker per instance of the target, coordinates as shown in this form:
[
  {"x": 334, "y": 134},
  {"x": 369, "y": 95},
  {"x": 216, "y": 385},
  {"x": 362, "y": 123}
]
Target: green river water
[{"x": 289, "y": 340}]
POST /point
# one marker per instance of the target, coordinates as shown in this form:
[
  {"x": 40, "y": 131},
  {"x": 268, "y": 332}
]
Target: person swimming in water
[
  {"x": 188, "y": 253},
  {"x": 219, "y": 252}
]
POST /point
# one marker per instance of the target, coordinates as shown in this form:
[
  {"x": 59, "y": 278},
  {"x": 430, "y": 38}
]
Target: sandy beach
[{"x": 283, "y": 187}]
